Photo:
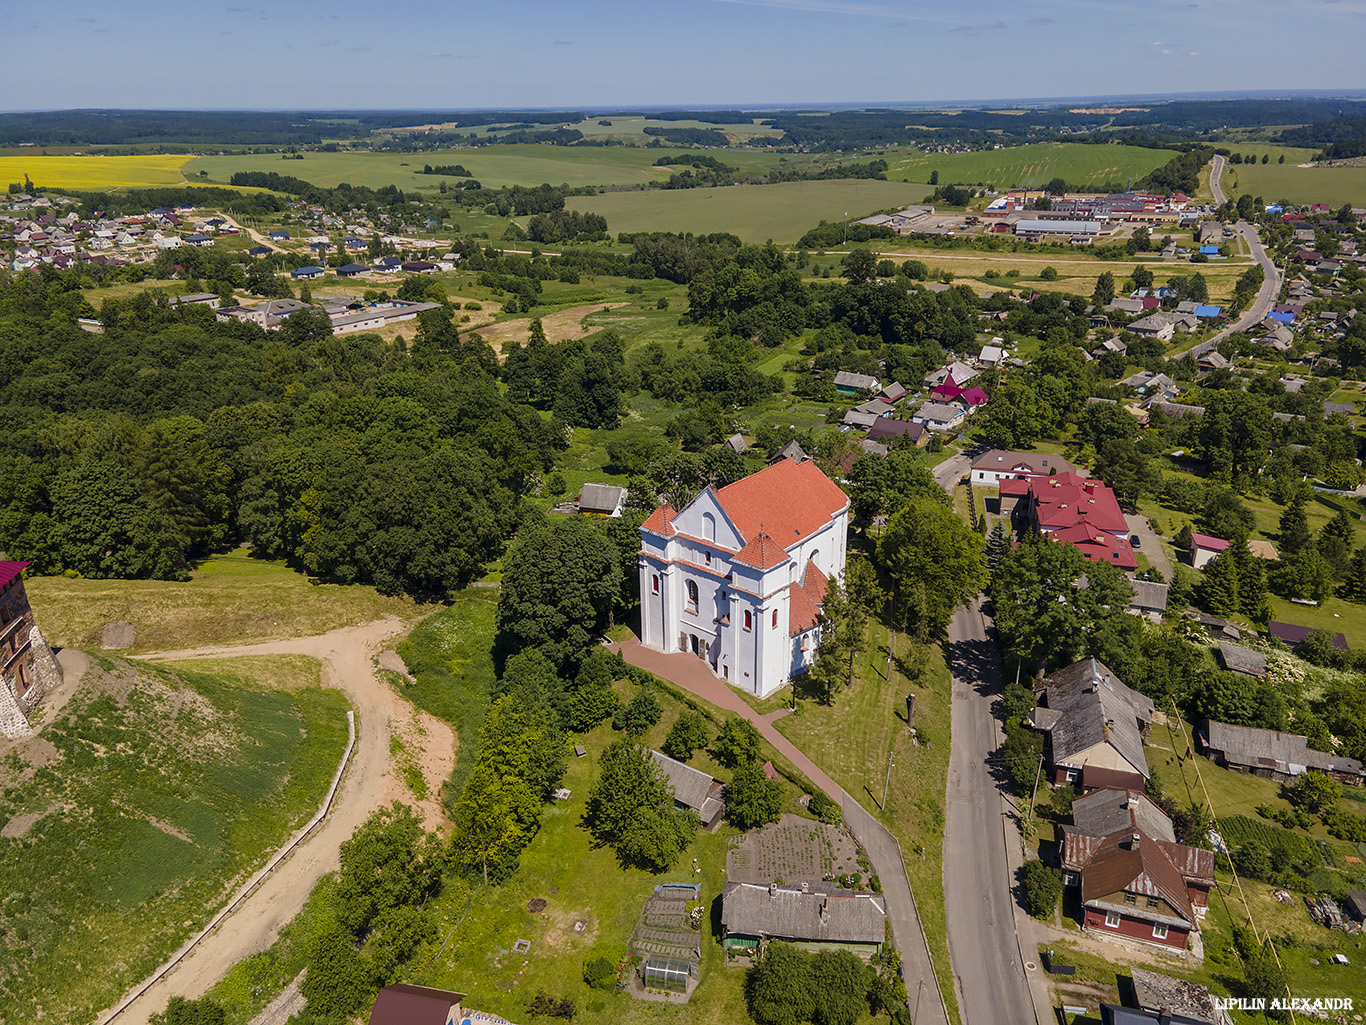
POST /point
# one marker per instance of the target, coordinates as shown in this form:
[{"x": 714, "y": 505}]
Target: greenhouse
[{"x": 667, "y": 973}]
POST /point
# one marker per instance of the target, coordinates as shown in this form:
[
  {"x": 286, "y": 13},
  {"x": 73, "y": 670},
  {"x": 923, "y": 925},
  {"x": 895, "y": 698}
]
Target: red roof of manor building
[
  {"x": 1066, "y": 500},
  {"x": 1098, "y": 546},
  {"x": 788, "y": 500}
]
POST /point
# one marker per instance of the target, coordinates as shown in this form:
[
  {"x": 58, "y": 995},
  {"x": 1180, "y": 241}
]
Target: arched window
[
  {"x": 692, "y": 594},
  {"x": 775, "y": 619},
  {"x": 709, "y": 526},
  {"x": 749, "y": 620},
  {"x": 654, "y": 583}
]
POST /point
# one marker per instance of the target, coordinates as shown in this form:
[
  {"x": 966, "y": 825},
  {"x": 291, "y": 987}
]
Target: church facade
[{"x": 737, "y": 577}]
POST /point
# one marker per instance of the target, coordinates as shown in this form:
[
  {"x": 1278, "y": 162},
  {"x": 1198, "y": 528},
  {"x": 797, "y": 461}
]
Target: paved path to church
[
  {"x": 347, "y": 656},
  {"x": 690, "y": 673}
]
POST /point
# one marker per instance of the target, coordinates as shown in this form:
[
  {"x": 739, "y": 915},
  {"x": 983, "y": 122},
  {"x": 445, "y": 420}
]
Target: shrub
[
  {"x": 1042, "y": 888},
  {"x": 688, "y": 733},
  {"x": 600, "y": 973},
  {"x": 825, "y": 809}
]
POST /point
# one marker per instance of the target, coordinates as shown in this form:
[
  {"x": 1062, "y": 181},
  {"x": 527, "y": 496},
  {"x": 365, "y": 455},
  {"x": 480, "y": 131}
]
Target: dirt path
[
  {"x": 561, "y": 326},
  {"x": 255, "y": 235},
  {"x": 347, "y": 656}
]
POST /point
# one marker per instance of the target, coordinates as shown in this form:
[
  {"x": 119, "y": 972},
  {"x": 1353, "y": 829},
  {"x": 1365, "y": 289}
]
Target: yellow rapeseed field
[{"x": 93, "y": 172}]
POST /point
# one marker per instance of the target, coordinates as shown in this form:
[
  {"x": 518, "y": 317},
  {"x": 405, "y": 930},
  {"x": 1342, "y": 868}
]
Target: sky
[{"x": 453, "y": 54}]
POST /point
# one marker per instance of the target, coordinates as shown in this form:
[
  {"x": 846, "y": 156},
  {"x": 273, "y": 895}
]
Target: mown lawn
[
  {"x": 853, "y": 741},
  {"x": 229, "y": 599},
  {"x": 150, "y": 797}
]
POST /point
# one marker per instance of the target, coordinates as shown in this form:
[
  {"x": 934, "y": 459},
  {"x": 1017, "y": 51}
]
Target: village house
[
  {"x": 813, "y": 916},
  {"x": 693, "y": 789},
  {"x": 849, "y": 383},
  {"x": 940, "y": 416},
  {"x": 1272, "y": 754},
  {"x": 737, "y": 576},
  {"x": 602, "y": 500},
  {"x": 405, "y": 1004},
  {"x": 1091, "y": 718},
  {"x": 28, "y": 668},
  {"x": 998, "y": 464}
]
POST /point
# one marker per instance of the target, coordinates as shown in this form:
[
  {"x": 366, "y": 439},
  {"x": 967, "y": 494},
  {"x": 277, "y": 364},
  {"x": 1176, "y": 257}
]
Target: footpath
[{"x": 917, "y": 969}]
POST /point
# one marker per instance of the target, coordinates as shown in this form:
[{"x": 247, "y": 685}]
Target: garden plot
[
  {"x": 790, "y": 850},
  {"x": 669, "y": 927}
]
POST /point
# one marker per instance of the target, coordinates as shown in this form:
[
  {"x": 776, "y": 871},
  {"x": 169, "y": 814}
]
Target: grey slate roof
[
  {"x": 692, "y": 787},
  {"x": 1103, "y": 812},
  {"x": 1097, "y": 708},
  {"x": 1242, "y": 660},
  {"x": 1178, "y": 409},
  {"x": 1149, "y": 595},
  {"x": 1287, "y": 753},
  {"x": 848, "y": 379},
  {"x": 823, "y": 914},
  {"x": 601, "y": 498}
]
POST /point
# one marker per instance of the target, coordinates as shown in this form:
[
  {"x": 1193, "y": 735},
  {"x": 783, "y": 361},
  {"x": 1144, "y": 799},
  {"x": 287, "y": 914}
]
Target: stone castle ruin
[{"x": 28, "y": 668}]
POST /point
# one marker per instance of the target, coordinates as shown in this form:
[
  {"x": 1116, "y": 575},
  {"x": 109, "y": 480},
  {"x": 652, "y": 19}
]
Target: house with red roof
[
  {"x": 737, "y": 576},
  {"x": 1204, "y": 549},
  {"x": 28, "y": 669},
  {"x": 1075, "y": 509}
]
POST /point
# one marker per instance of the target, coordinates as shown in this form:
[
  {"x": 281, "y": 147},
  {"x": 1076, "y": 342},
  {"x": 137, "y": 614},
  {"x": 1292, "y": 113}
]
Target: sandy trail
[
  {"x": 561, "y": 326},
  {"x": 347, "y": 656}
]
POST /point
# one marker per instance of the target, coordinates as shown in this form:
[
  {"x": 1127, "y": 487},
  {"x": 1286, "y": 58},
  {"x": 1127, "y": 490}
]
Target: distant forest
[{"x": 1158, "y": 124}]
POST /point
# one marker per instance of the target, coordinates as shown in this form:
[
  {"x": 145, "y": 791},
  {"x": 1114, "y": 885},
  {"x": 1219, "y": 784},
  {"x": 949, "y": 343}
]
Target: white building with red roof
[{"x": 737, "y": 576}]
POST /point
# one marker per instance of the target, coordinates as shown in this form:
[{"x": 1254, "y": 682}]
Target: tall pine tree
[
  {"x": 1294, "y": 528},
  {"x": 1218, "y": 591}
]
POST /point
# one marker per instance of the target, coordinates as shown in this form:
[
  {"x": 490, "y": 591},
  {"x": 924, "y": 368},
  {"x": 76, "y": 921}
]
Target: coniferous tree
[
  {"x": 997, "y": 546},
  {"x": 1354, "y": 587},
  {"x": 1294, "y": 528},
  {"x": 1218, "y": 591}
]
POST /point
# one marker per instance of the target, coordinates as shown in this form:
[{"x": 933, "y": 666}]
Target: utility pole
[
  {"x": 918, "y": 990},
  {"x": 846, "y": 227}
]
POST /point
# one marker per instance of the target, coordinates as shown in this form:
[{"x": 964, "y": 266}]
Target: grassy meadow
[
  {"x": 1275, "y": 182},
  {"x": 756, "y": 213},
  {"x": 493, "y": 166},
  {"x": 229, "y": 599},
  {"x": 1032, "y": 165},
  {"x": 153, "y": 793}
]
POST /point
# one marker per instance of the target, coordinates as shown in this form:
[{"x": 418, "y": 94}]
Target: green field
[
  {"x": 143, "y": 802},
  {"x": 756, "y": 213},
  {"x": 1033, "y": 165},
  {"x": 493, "y": 166},
  {"x": 1275, "y": 182}
]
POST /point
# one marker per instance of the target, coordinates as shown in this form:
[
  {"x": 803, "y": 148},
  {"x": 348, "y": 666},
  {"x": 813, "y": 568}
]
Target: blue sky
[{"x": 603, "y": 53}]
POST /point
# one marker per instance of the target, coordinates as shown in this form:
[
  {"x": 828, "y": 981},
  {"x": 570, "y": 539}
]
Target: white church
[{"x": 737, "y": 576}]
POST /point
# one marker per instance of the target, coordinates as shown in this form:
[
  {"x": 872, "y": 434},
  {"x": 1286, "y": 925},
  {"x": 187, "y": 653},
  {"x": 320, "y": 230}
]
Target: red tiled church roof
[
  {"x": 762, "y": 553},
  {"x": 802, "y": 612},
  {"x": 661, "y": 521},
  {"x": 788, "y": 500},
  {"x": 10, "y": 570},
  {"x": 814, "y": 583}
]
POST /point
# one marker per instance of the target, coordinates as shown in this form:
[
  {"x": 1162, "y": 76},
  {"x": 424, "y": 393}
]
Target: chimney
[
  {"x": 773, "y": 890},
  {"x": 1133, "y": 841},
  {"x": 806, "y": 887},
  {"x": 825, "y": 911}
]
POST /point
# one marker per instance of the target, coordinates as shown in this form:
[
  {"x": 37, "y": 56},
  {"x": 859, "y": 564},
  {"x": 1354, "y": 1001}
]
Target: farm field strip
[{"x": 94, "y": 172}]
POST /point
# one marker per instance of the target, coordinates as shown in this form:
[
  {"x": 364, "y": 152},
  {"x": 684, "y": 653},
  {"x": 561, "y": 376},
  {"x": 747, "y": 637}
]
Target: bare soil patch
[
  {"x": 21, "y": 824},
  {"x": 791, "y": 849},
  {"x": 561, "y": 326}
]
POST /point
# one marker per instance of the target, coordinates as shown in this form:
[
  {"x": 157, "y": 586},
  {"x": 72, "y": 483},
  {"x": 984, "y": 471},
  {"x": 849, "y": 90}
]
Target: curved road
[
  {"x": 347, "y": 656},
  {"x": 1271, "y": 285}
]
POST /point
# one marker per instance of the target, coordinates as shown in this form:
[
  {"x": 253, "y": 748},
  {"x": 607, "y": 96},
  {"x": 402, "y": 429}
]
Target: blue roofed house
[
  {"x": 306, "y": 273},
  {"x": 1209, "y": 250},
  {"x": 352, "y": 270},
  {"x": 1207, "y": 311},
  {"x": 279, "y": 236}
]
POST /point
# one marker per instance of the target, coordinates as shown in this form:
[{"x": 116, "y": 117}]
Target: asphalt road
[
  {"x": 1271, "y": 285},
  {"x": 951, "y": 470},
  {"x": 1150, "y": 544},
  {"x": 981, "y": 846}
]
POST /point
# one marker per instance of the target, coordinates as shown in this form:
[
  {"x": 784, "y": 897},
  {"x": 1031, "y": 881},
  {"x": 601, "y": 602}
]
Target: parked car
[{"x": 1134, "y": 541}]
